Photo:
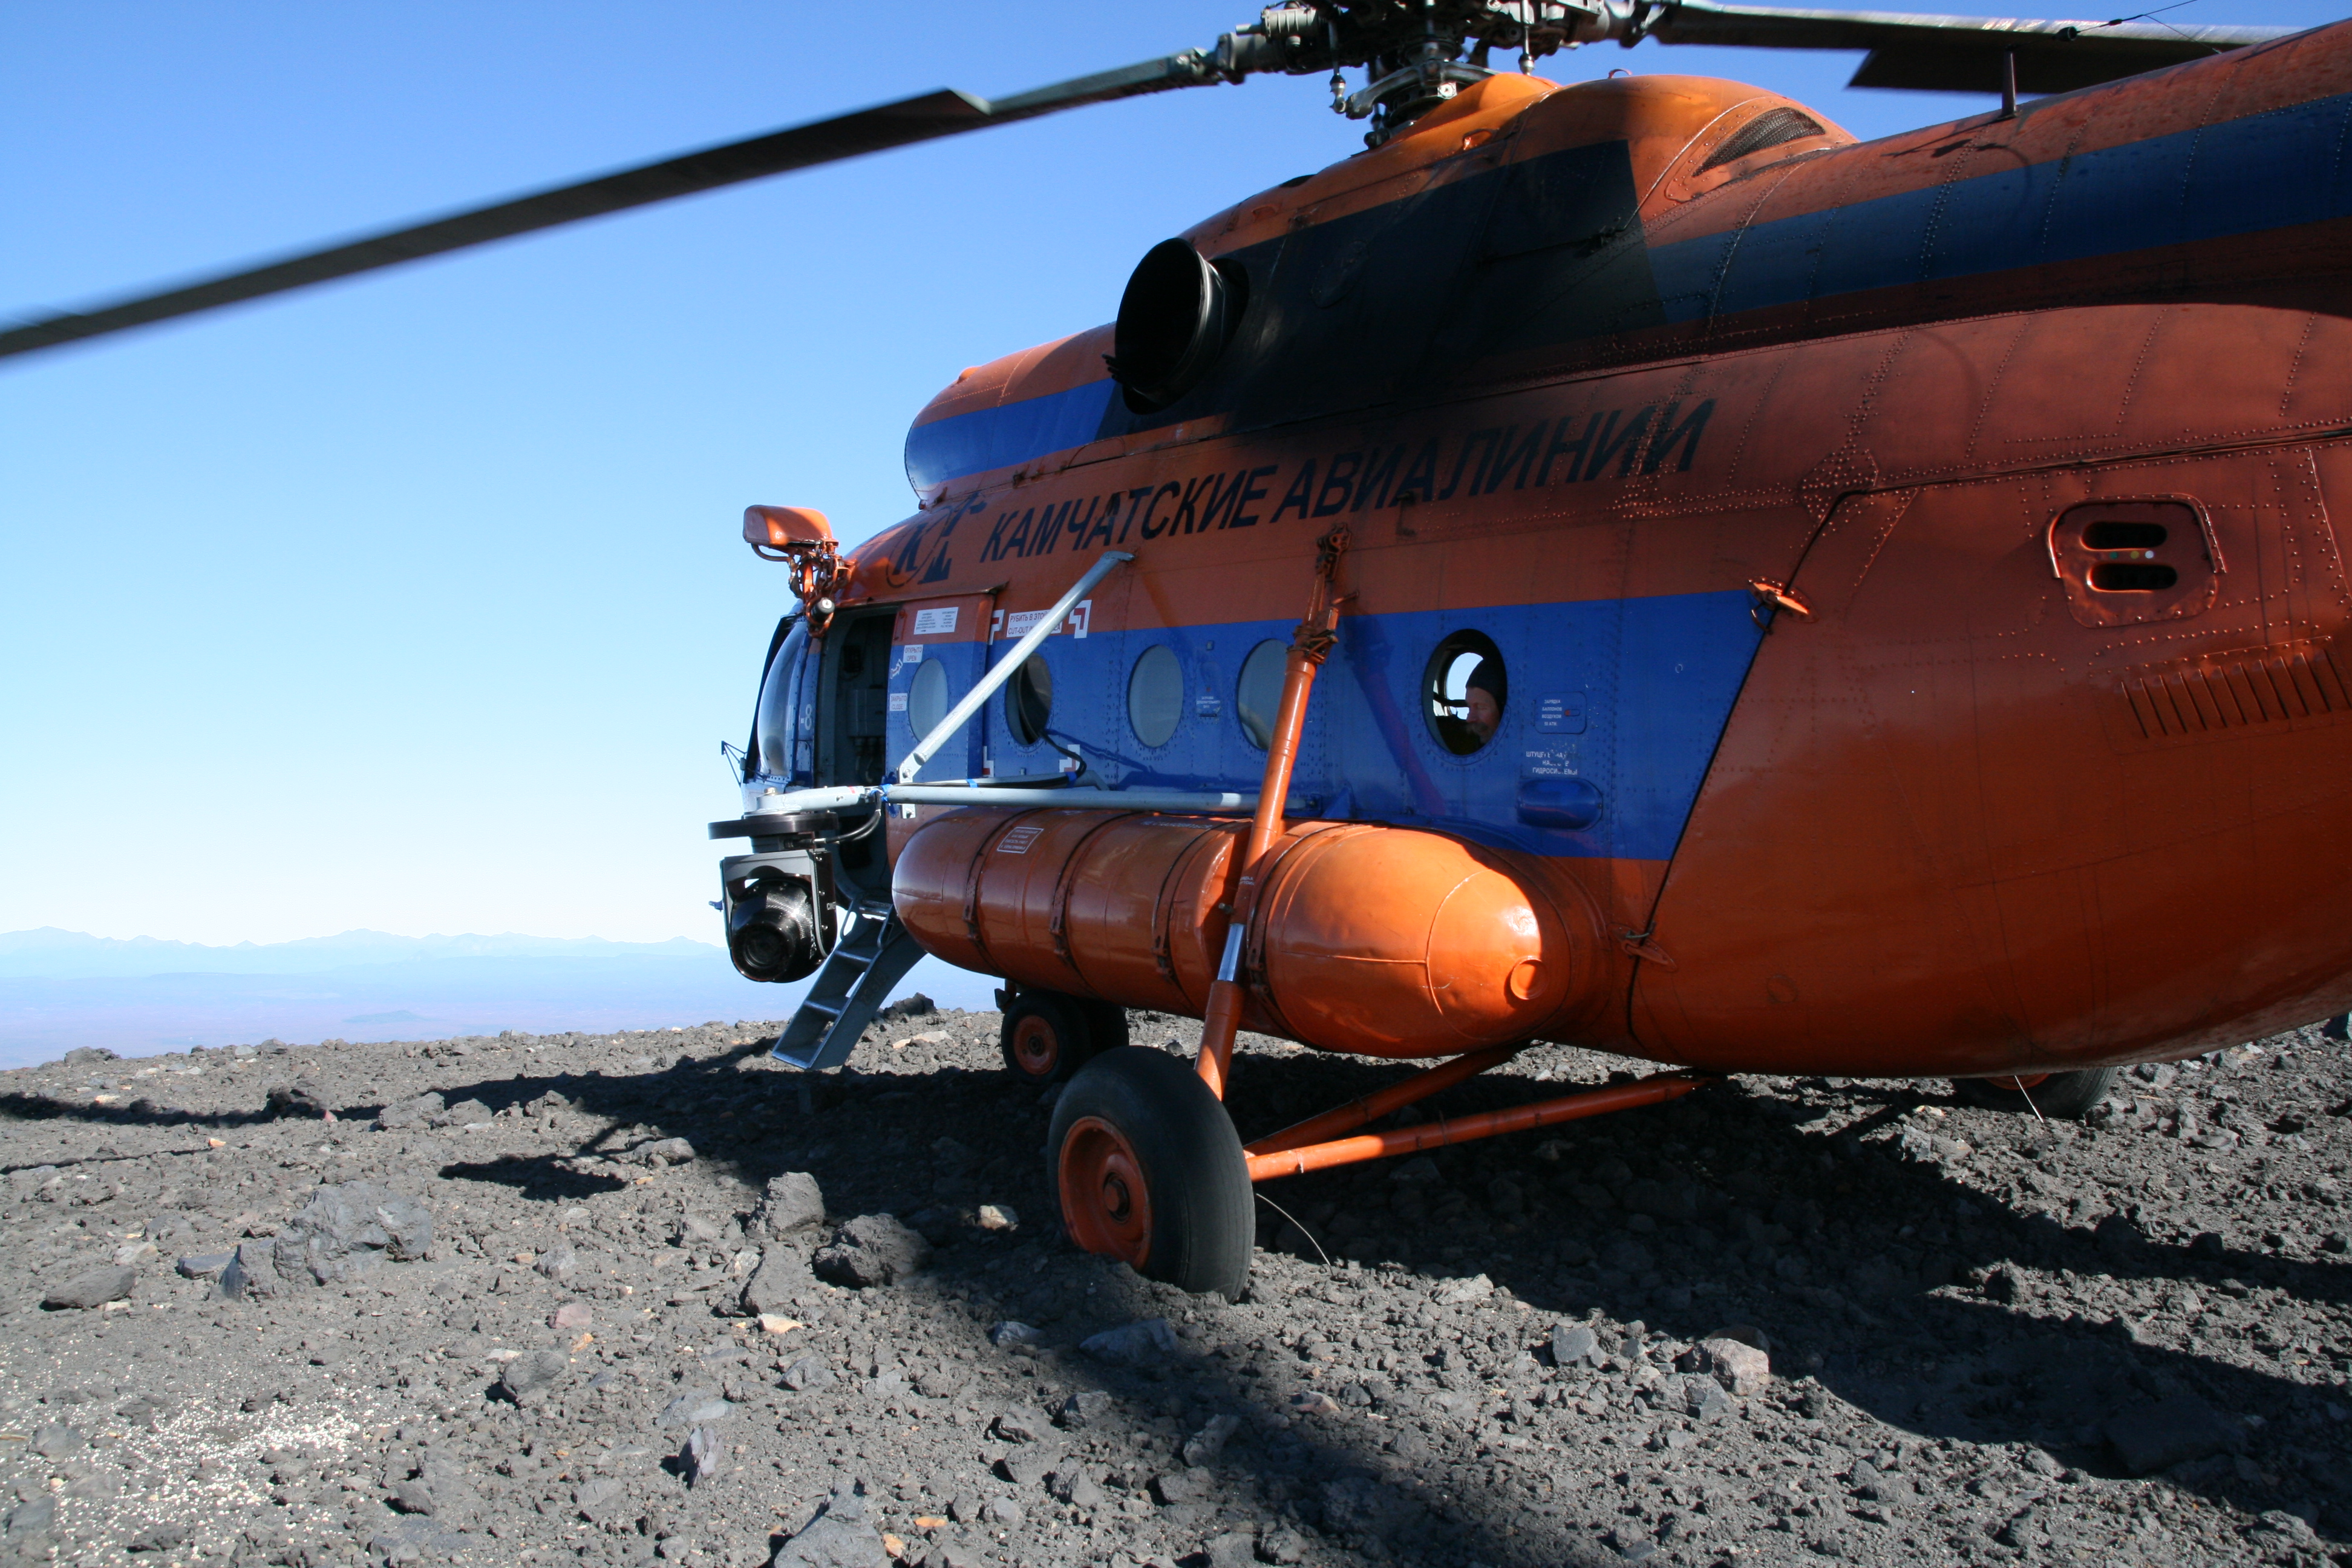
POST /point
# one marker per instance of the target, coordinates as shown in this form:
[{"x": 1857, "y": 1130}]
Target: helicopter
[{"x": 1623, "y": 564}]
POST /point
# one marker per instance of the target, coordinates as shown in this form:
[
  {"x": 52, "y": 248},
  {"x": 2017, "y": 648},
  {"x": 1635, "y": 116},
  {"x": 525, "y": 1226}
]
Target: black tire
[
  {"x": 1162, "y": 1127},
  {"x": 2067, "y": 1096},
  {"x": 1046, "y": 1036}
]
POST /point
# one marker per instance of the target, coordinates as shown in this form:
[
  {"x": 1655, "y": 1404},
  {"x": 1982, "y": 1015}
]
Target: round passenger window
[
  {"x": 1257, "y": 697},
  {"x": 926, "y": 697},
  {"x": 1029, "y": 701},
  {"x": 1155, "y": 695},
  {"x": 1464, "y": 691}
]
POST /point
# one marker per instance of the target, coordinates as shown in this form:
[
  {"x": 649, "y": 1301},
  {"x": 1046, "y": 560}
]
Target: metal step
[{"x": 870, "y": 958}]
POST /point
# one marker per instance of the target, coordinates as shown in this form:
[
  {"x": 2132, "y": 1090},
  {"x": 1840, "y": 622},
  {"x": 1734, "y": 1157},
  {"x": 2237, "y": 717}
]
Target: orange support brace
[
  {"x": 1372, "y": 1107},
  {"x": 1298, "y": 1162},
  {"x": 1308, "y": 647}
]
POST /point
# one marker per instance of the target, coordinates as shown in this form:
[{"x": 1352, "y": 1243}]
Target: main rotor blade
[
  {"x": 927, "y": 117},
  {"x": 1956, "y": 54}
]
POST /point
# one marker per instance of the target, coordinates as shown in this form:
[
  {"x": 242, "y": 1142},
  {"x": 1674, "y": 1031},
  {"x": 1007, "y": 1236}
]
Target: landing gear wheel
[
  {"x": 1046, "y": 1036},
  {"x": 2068, "y": 1096},
  {"x": 1144, "y": 1166}
]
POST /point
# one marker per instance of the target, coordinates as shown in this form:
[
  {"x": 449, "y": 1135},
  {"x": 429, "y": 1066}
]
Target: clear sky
[{"x": 417, "y": 603}]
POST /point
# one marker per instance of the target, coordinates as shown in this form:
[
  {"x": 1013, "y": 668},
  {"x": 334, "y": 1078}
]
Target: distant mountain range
[
  {"x": 50, "y": 953},
  {"x": 140, "y": 996}
]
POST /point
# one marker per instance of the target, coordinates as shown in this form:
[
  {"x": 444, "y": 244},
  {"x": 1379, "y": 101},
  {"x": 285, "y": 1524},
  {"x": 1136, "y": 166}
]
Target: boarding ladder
[{"x": 873, "y": 955}]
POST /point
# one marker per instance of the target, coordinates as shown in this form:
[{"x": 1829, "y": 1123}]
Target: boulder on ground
[
  {"x": 794, "y": 1203},
  {"x": 1573, "y": 1344},
  {"x": 1739, "y": 1367},
  {"x": 347, "y": 1228},
  {"x": 529, "y": 1377},
  {"x": 703, "y": 1456},
  {"x": 415, "y": 1112},
  {"x": 294, "y": 1100},
  {"x": 808, "y": 1371},
  {"x": 872, "y": 1249},
  {"x": 93, "y": 1288},
  {"x": 252, "y": 1271},
  {"x": 779, "y": 1284},
  {"x": 1133, "y": 1344},
  {"x": 844, "y": 1535}
]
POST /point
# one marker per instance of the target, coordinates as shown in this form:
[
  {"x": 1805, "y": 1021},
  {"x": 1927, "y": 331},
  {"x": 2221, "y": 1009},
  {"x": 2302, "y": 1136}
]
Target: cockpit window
[{"x": 774, "y": 728}]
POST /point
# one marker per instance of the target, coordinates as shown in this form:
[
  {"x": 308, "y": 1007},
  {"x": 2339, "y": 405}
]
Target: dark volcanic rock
[
  {"x": 779, "y": 1284},
  {"x": 531, "y": 1376},
  {"x": 418, "y": 1110},
  {"x": 843, "y": 1536},
  {"x": 872, "y": 1249},
  {"x": 344, "y": 1231},
  {"x": 794, "y": 1203},
  {"x": 94, "y": 1287}
]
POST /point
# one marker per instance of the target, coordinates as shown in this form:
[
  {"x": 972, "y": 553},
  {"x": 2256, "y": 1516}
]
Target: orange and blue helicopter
[{"x": 1622, "y": 563}]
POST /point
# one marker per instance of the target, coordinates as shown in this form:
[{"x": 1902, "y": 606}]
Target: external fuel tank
[{"x": 1387, "y": 942}]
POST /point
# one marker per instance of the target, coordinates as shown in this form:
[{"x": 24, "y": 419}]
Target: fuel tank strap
[
  {"x": 972, "y": 875},
  {"x": 1065, "y": 883},
  {"x": 1163, "y": 907}
]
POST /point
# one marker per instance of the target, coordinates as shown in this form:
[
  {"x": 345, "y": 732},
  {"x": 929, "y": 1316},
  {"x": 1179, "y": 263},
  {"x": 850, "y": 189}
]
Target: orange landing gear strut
[
  {"x": 1309, "y": 646},
  {"x": 1308, "y": 1146}
]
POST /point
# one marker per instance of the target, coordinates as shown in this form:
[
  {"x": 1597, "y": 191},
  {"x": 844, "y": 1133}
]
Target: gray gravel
[{"x": 1779, "y": 1320}]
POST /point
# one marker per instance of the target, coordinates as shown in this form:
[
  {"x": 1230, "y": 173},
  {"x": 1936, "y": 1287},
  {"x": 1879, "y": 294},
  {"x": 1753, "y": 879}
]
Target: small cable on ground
[{"x": 1300, "y": 1223}]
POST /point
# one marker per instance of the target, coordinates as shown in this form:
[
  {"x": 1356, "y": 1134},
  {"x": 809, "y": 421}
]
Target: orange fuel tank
[{"x": 1384, "y": 941}]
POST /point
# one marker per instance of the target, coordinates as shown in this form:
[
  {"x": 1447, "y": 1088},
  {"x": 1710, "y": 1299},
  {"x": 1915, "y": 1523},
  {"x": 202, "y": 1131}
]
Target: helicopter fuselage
[{"x": 1906, "y": 566}]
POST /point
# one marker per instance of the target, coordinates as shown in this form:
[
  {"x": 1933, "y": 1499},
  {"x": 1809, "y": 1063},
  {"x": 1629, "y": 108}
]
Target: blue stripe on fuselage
[
  {"x": 1010, "y": 433},
  {"x": 1630, "y": 695},
  {"x": 2268, "y": 171}
]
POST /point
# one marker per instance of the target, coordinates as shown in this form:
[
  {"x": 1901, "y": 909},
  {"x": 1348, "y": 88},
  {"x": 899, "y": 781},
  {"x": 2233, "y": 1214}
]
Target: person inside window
[
  {"x": 1467, "y": 722},
  {"x": 1483, "y": 698}
]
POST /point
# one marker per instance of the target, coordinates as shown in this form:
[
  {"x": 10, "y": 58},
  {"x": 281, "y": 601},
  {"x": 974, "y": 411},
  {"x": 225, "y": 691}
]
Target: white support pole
[
  {"x": 1013, "y": 658},
  {"x": 1212, "y": 802}
]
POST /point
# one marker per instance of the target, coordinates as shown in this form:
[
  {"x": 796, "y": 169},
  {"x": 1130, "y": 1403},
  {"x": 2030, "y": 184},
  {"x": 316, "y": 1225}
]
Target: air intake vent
[
  {"x": 1768, "y": 129},
  {"x": 2236, "y": 691}
]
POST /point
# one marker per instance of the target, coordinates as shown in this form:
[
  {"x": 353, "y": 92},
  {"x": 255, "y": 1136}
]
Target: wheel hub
[
  {"x": 1035, "y": 1047},
  {"x": 1106, "y": 1199}
]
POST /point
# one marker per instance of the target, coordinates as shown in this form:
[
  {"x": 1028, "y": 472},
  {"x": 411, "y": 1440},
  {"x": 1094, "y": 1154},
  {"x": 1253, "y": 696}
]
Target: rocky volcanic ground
[{"x": 575, "y": 1318}]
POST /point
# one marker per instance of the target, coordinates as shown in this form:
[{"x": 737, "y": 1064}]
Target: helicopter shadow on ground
[
  {"x": 1897, "y": 1324},
  {"x": 952, "y": 1138},
  {"x": 1906, "y": 1292}
]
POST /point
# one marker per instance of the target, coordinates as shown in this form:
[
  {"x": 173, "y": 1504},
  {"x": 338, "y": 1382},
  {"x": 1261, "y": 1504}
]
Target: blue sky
[{"x": 417, "y": 603}]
